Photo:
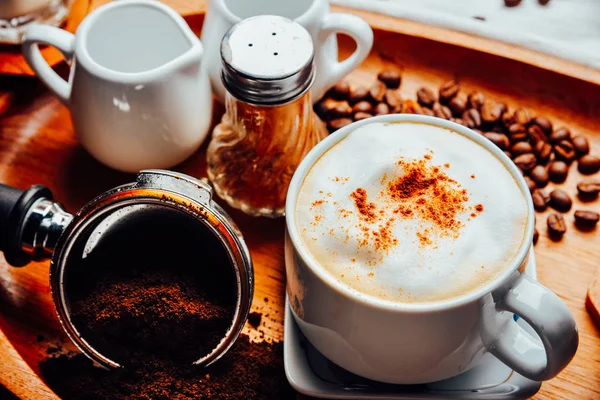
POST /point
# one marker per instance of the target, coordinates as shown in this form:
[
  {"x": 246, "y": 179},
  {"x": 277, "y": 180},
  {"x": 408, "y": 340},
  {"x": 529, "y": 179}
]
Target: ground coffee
[{"x": 247, "y": 371}]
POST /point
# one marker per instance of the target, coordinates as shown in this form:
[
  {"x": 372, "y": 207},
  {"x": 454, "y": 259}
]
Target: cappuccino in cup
[{"x": 410, "y": 212}]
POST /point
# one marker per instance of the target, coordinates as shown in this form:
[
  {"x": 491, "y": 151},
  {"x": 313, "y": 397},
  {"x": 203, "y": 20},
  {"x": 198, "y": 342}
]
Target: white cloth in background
[{"x": 569, "y": 29}]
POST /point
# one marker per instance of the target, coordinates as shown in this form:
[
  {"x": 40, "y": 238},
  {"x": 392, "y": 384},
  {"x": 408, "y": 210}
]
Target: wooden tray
[{"x": 37, "y": 145}]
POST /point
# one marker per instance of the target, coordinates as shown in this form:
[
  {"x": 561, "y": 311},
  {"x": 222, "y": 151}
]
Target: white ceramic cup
[
  {"x": 313, "y": 15},
  {"x": 138, "y": 93},
  {"x": 418, "y": 343}
]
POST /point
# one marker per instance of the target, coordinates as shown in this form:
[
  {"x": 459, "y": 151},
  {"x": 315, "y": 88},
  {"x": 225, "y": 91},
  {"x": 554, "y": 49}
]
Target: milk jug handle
[{"x": 56, "y": 37}]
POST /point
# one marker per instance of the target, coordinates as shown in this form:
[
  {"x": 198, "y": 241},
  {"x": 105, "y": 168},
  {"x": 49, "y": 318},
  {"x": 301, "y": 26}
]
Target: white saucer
[{"x": 310, "y": 373}]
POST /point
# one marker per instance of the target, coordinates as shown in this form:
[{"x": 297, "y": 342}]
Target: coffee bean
[
  {"x": 381, "y": 109},
  {"x": 341, "y": 110},
  {"x": 338, "y": 123},
  {"x": 521, "y": 148},
  {"x": 441, "y": 111},
  {"x": 560, "y": 200},
  {"x": 498, "y": 139},
  {"x": 517, "y": 132},
  {"x": 559, "y": 135},
  {"x": 507, "y": 119},
  {"x": 558, "y": 171},
  {"x": 543, "y": 2},
  {"x": 377, "y": 91},
  {"x": 491, "y": 112},
  {"x": 564, "y": 151},
  {"x": 536, "y": 134},
  {"x": 543, "y": 151},
  {"x": 536, "y": 236},
  {"x": 588, "y": 164},
  {"x": 586, "y": 219},
  {"x": 340, "y": 91},
  {"x": 427, "y": 111},
  {"x": 410, "y": 106},
  {"x": 556, "y": 226},
  {"x": 512, "y": 3},
  {"x": 357, "y": 94},
  {"x": 589, "y": 188},
  {"x": 475, "y": 100},
  {"x": 321, "y": 109},
  {"x": 394, "y": 100},
  {"x": 457, "y": 105},
  {"x": 458, "y": 121},
  {"x": 471, "y": 118},
  {"x": 543, "y": 123},
  {"x": 448, "y": 90},
  {"x": 521, "y": 116},
  {"x": 581, "y": 145},
  {"x": 540, "y": 176},
  {"x": 391, "y": 78},
  {"x": 361, "y": 115},
  {"x": 425, "y": 97},
  {"x": 540, "y": 202},
  {"x": 530, "y": 184},
  {"x": 363, "y": 106},
  {"x": 525, "y": 161}
]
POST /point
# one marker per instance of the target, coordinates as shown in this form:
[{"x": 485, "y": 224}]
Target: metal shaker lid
[{"x": 267, "y": 60}]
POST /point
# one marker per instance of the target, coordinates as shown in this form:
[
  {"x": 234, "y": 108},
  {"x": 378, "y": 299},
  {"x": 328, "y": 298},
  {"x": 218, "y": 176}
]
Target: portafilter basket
[{"x": 33, "y": 227}]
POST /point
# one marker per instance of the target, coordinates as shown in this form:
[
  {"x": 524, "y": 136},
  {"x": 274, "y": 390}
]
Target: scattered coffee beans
[
  {"x": 559, "y": 135},
  {"x": 471, "y": 118},
  {"x": 558, "y": 171},
  {"x": 564, "y": 151},
  {"x": 544, "y": 123},
  {"x": 394, "y": 100},
  {"x": 560, "y": 200},
  {"x": 588, "y": 189},
  {"x": 540, "y": 202},
  {"x": 586, "y": 219},
  {"x": 588, "y": 164},
  {"x": 525, "y": 161},
  {"x": 520, "y": 148},
  {"x": 458, "y": 105},
  {"x": 448, "y": 90},
  {"x": 425, "y": 97},
  {"x": 556, "y": 226},
  {"x": 382, "y": 109},
  {"x": 391, "y": 78},
  {"x": 498, "y": 139},
  {"x": 338, "y": 123},
  {"x": 581, "y": 145},
  {"x": 475, "y": 100},
  {"x": 540, "y": 176},
  {"x": 340, "y": 91},
  {"x": 512, "y": 3},
  {"x": 359, "y": 93},
  {"x": 530, "y": 184},
  {"x": 377, "y": 91}
]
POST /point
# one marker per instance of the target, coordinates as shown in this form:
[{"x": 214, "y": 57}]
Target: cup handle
[
  {"x": 357, "y": 29},
  {"x": 63, "y": 41},
  {"x": 551, "y": 319}
]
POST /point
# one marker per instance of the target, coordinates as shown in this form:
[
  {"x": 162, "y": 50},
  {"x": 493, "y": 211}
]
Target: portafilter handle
[{"x": 30, "y": 223}]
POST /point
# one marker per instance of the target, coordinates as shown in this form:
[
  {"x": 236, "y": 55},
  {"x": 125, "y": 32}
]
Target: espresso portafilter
[{"x": 33, "y": 227}]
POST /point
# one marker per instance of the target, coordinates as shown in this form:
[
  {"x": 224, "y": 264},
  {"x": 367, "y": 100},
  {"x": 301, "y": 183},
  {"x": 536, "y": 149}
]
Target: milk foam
[{"x": 402, "y": 256}]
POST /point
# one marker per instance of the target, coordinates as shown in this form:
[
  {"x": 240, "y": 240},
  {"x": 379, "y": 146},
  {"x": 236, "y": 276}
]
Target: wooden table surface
[{"x": 38, "y": 145}]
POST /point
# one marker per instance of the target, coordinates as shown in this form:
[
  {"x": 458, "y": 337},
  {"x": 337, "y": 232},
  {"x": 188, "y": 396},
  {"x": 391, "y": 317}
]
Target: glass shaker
[{"x": 269, "y": 124}]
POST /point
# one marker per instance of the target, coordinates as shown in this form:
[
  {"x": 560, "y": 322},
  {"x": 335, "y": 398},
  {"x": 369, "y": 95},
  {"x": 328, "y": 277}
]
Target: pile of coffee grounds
[
  {"x": 159, "y": 288},
  {"x": 247, "y": 371}
]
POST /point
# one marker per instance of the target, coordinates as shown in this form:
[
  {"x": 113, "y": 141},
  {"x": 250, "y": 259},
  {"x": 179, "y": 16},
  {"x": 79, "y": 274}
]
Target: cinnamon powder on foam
[{"x": 421, "y": 191}]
